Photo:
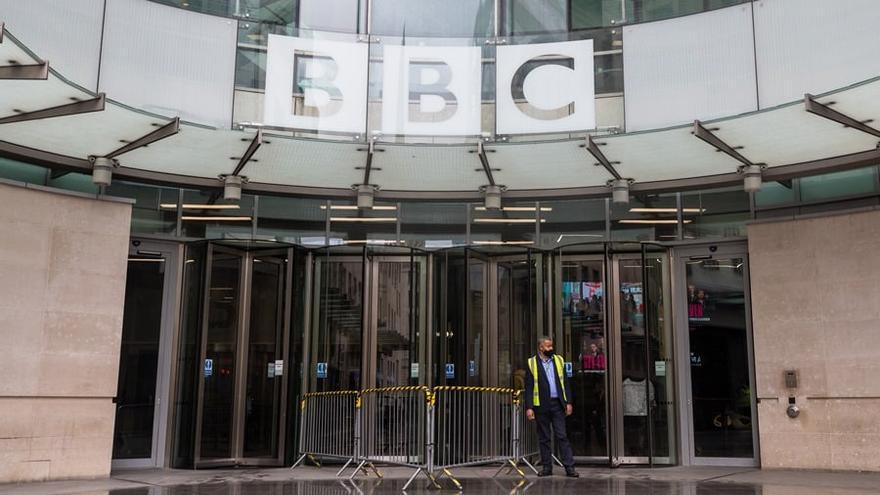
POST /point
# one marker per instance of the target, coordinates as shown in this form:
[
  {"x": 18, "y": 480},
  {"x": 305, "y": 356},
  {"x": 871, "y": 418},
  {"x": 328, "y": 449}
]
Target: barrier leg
[
  {"x": 343, "y": 467},
  {"x": 314, "y": 460},
  {"x": 529, "y": 464},
  {"x": 375, "y": 470},
  {"x": 357, "y": 470},
  {"x": 557, "y": 461},
  {"x": 298, "y": 461},
  {"x": 449, "y": 475},
  {"x": 411, "y": 478}
]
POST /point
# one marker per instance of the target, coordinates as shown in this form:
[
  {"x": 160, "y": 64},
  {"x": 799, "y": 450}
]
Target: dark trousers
[{"x": 547, "y": 416}]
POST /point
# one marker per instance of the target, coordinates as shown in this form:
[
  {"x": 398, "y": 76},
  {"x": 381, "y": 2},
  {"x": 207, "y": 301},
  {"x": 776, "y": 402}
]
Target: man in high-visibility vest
[{"x": 548, "y": 400}]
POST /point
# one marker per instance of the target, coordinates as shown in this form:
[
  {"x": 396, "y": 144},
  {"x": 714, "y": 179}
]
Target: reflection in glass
[
  {"x": 224, "y": 301},
  {"x": 638, "y": 391},
  {"x": 719, "y": 362},
  {"x": 338, "y": 339},
  {"x": 397, "y": 346},
  {"x": 138, "y": 359},
  {"x": 583, "y": 326},
  {"x": 265, "y": 337},
  {"x": 517, "y": 320}
]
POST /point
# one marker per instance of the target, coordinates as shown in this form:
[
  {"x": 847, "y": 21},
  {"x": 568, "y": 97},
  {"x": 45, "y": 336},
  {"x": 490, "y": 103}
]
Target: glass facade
[{"x": 705, "y": 214}]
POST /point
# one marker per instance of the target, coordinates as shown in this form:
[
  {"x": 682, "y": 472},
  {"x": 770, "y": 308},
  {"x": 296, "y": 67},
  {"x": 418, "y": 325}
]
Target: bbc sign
[{"x": 429, "y": 90}]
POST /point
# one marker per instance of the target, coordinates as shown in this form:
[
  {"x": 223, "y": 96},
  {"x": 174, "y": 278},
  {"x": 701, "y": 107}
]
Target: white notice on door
[
  {"x": 279, "y": 367},
  {"x": 660, "y": 368},
  {"x": 270, "y": 370}
]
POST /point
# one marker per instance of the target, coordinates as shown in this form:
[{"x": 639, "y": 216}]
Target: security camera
[
  {"x": 713, "y": 248},
  {"x": 135, "y": 243}
]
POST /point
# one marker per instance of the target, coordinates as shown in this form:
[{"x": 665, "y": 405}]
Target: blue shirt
[{"x": 551, "y": 376}]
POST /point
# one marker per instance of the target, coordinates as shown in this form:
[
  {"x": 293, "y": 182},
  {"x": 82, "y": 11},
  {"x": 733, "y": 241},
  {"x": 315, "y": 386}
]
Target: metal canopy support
[
  {"x": 484, "y": 161},
  {"x": 706, "y": 135},
  {"x": 79, "y": 107},
  {"x": 20, "y": 71},
  {"x": 368, "y": 166},
  {"x": 594, "y": 150},
  {"x": 30, "y": 71},
  {"x": 249, "y": 153},
  {"x": 827, "y": 112},
  {"x": 167, "y": 130}
]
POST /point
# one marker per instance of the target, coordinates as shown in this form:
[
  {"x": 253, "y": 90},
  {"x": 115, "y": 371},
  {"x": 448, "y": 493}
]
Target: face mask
[{"x": 548, "y": 353}]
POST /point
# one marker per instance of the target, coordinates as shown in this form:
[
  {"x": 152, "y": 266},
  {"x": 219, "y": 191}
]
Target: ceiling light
[
  {"x": 515, "y": 208},
  {"x": 492, "y": 196},
  {"x": 381, "y": 242},
  {"x": 620, "y": 190},
  {"x": 232, "y": 186},
  {"x": 559, "y": 239},
  {"x": 365, "y": 194},
  {"x": 649, "y": 222},
  {"x": 102, "y": 170},
  {"x": 364, "y": 219},
  {"x": 506, "y": 220},
  {"x": 194, "y": 206},
  {"x": 666, "y": 210},
  {"x": 354, "y": 207},
  {"x": 215, "y": 219},
  {"x": 752, "y": 179},
  {"x": 501, "y": 243}
]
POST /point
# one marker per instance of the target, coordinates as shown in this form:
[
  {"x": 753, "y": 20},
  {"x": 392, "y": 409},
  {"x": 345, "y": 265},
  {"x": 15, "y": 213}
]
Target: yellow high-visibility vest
[{"x": 533, "y": 367}]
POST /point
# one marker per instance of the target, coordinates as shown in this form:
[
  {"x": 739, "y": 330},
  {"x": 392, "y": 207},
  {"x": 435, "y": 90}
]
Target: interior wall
[
  {"x": 63, "y": 262},
  {"x": 815, "y": 292}
]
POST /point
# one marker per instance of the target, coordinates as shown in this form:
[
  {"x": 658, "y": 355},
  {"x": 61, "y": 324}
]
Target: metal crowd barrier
[
  {"x": 476, "y": 426},
  {"x": 394, "y": 427},
  {"x": 429, "y": 430},
  {"x": 327, "y": 427}
]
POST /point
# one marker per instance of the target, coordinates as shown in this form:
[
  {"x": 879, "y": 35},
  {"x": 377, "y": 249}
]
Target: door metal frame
[
  {"x": 241, "y": 355},
  {"x": 679, "y": 257},
  {"x": 559, "y": 258},
  {"x": 171, "y": 253}
]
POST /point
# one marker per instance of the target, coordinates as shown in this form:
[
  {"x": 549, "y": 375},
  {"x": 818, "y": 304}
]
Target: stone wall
[
  {"x": 816, "y": 309},
  {"x": 63, "y": 261}
]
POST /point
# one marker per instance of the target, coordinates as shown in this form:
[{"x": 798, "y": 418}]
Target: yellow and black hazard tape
[
  {"x": 462, "y": 388},
  {"x": 331, "y": 393}
]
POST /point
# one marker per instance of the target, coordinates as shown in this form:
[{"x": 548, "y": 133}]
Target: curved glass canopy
[{"x": 51, "y": 121}]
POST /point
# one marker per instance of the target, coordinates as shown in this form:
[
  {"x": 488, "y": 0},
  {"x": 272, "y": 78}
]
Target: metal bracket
[
  {"x": 167, "y": 130},
  {"x": 706, "y": 135},
  {"x": 484, "y": 161},
  {"x": 79, "y": 107},
  {"x": 825, "y": 111},
  {"x": 371, "y": 149},
  {"x": 594, "y": 150},
  {"x": 249, "y": 153},
  {"x": 31, "y": 72}
]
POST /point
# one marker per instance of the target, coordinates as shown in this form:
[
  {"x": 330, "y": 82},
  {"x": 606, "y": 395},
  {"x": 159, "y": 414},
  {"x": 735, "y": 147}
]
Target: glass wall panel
[
  {"x": 839, "y": 184},
  {"x": 638, "y": 389},
  {"x": 514, "y": 224},
  {"x": 775, "y": 193},
  {"x": 652, "y": 10},
  {"x": 139, "y": 358},
  {"x": 715, "y": 213},
  {"x": 224, "y": 304},
  {"x": 440, "y": 18},
  {"x": 154, "y": 210},
  {"x": 206, "y": 215},
  {"x": 292, "y": 220},
  {"x": 586, "y": 14},
  {"x": 22, "y": 172},
  {"x": 337, "y": 338},
  {"x": 188, "y": 356},
  {"x": 583, "y": 332},
  {"x": 530, "y": 17},
  {"x": 330, "y": 15},
  {"x": 719, "y": 358},
  {"x": 264, "y": 349},
  {"x": 661, "y": 363},
  {"x": 433, "y": 225},
  {"x": 645, "y": 218},
  {"x": 572, "y": 222},
  {"x": 397, "y": 339}
]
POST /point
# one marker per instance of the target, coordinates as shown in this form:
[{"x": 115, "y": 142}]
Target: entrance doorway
[
  {"x": 144, "y": 364},
  {"x": 244, "y": 361},
  {"x": 714, "y": 331},
  {"x": 613, "y": 325},
  {"x": 370, "y": 318}
]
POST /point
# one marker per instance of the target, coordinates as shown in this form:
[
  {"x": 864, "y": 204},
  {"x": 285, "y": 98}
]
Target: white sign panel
[
  {"x": 430, "y": 90},
  {"x": 546, "y": 87},
  {"x": 329, "y": 77}
]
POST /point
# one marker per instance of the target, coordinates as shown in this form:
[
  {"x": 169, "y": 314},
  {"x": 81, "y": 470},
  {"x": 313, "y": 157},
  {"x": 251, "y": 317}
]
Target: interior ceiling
[{"x": 786, "y": 140}]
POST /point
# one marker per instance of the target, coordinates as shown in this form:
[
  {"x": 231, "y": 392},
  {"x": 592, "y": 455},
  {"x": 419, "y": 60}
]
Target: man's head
[{"x": 545, "y": 346}]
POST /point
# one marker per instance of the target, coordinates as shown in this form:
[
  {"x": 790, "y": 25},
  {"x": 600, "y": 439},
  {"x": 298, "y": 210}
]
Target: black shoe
[
  {"x": 571, "y": 473},
  {"x": 545, "y": 473}
]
